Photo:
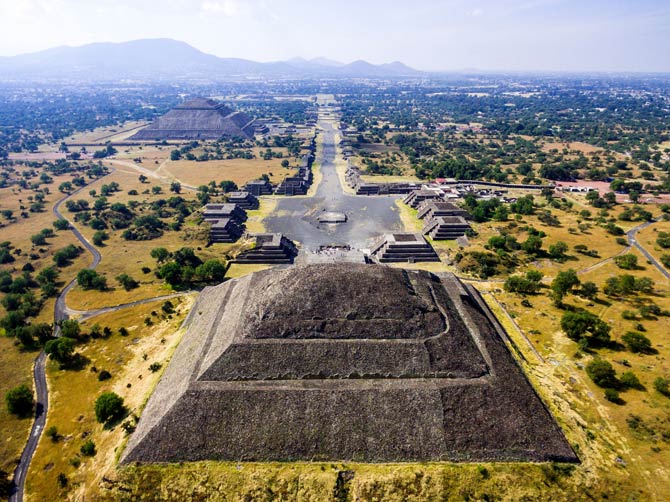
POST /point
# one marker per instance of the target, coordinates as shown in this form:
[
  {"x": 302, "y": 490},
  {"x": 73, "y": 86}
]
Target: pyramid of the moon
[
  {"x": 198, "y": 119},
  {"x": 344, "y": 362}
]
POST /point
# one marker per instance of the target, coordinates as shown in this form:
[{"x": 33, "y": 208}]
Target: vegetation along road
[{"x": 61, "y": 313}]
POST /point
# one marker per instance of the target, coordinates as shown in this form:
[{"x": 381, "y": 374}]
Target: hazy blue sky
[{"x": 618, "y": 35}]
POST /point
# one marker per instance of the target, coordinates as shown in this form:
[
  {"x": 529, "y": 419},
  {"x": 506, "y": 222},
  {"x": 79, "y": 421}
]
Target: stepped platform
[
  {"x": 446, "y": 227},
  {"x": 403, "y": 247},
  {"x": 431, "y": 208},
  {"x": 243, "y": 200},
  {"x": 224, "y": 231},
  {"x": 258, "y": 188},
  {"x": 224, "y": 211},
  {"x": 416, "y": 197},
  {"x": 270, "y": 249}
]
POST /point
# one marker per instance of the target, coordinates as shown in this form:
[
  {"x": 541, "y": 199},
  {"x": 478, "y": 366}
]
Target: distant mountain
[
  {"x": 166, "y": 58},
  {"x": 326, "y": 62}
]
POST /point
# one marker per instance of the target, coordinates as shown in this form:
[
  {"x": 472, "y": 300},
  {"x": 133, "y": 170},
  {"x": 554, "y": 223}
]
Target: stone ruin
[
  {"x": 223, "y": 211},
  {"x": 344, "y": 362},
  {"x": 243, "y": 200},
  {"x": 446, "y": 227},
  {"x": 225, "y": 230},
  {"x": 417, "y": 197},
  {"x": 403, "y": 247},
  {"x": 258, "y": 187},
  {"x": 198, "y": 119},
  {"x": 431, "y": 208},
  {"x": 331, "y": 217},
  {"x": 270, "y": 249}
]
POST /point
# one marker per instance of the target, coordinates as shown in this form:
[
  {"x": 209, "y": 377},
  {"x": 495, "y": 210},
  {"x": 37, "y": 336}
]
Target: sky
[{"x": 431, "y": 35}]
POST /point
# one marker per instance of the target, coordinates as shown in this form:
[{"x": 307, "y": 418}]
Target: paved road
[
  {"x": 633, "y": 242},
  {"x": 368, "y": 217}
]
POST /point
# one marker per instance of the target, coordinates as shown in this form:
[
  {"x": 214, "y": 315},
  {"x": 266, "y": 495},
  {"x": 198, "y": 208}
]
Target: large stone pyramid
[
  {"x": 198, "y": 119},
  {"x": 344, "y": 362}
]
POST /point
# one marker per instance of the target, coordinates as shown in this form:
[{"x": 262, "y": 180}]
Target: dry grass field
[
  {"x": 101, "y": 135},
  {"x": 73, "y": 393},
  {"x": 15, "y": 369},
  {"x": 238, "y": 170}
]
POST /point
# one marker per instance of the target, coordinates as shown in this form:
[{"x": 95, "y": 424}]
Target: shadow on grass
[{"x": 76, "y": 363}]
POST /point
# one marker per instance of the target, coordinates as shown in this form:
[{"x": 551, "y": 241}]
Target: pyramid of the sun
[
  {"x": 344, "y": 362},
  {"x": 198, "y": 119}
]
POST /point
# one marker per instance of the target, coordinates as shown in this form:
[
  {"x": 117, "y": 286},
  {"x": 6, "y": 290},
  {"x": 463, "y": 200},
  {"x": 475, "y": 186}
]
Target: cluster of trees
[
  {"x": 527, "y": 284},
  {"x": 626, "y": 284},
  {"x": 183, "y": 268}
]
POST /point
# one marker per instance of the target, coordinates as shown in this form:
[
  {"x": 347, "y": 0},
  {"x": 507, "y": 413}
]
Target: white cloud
[{"x": 228, "y": 8}]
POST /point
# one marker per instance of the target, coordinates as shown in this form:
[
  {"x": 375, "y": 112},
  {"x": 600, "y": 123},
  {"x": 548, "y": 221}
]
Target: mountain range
[{"x": 166, "y": 58}]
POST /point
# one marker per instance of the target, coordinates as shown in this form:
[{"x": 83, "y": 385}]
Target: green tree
[
  {"x": 88, "y": 449},
  {"x": 662, "y": 385},
  {"x": 109, "y": 407},
  {"x": 90, "y": 279},
  {"x": 563, "y": 284},
  {"x": 584, "y": 327},
  {"x": 127, "y": 282},
  {"x": 627, "y": 261},
  {"x": 602, "y": 374},
  {"x": 20, "y": 401},
  {"x": 60, "y": 349},
  {"x": 175, "y": 187},
  {"x": 160, "y": 254},
  {"x": 588, "y": 290},
  {"x": 532, "y": 245},
  {"x": 70, "y": 328},
  {"x": 557, "y": 251},
  {"x": 637, "y": 342}
]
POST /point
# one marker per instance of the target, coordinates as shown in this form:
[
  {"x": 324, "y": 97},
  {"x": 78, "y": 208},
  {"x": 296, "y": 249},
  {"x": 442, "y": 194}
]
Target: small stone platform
[
  {"x": 403, "y": 247},
  {"x": 225, "y": 230},
  {"x": 224, "y": 211},
  {"x": 332, "y": 217},
  {"x": 270, "y": 249},
  {"x": 244, "y": 200},
  {"x": 431, "y": 208},
  {"x": 416, "y": 197},
  {"x": 258, "y": 187},
  {"x": 446, "y": 227}
]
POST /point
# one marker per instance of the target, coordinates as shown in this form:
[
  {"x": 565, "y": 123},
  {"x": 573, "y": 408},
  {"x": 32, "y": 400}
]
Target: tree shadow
[{"x": 76, "y": 363}]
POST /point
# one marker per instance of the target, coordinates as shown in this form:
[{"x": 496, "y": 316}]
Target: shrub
[
  {"x": 52, "y": 433},
  {"x": 61, "y": 349},
  {"x": 612, "y": 395},
  {"x": 88, "y": 449},
  {"x": 602, "y": 374},
  {"x": 109, "y": 407},
  {"x": 104, "y": 375},
  {"x": 127, "y": 282},
  {"x": 90, "y": 279},
  {"x": 662, "y": 385},
  {"x": 154, "y": 367},
  {"x": 20, "y": 401},
  {"x": 627, "y": 261},
  {"x": 637, "y": 342},
  {"x": 630, "y": 380},
  {"x": 584, "y": 327}
]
